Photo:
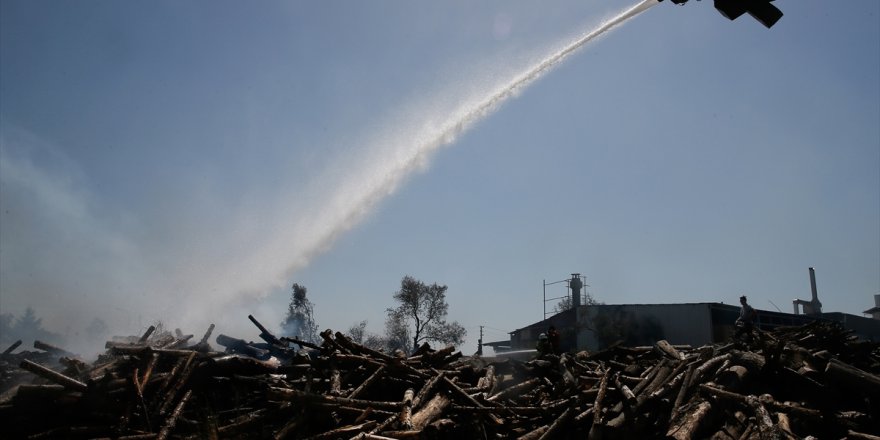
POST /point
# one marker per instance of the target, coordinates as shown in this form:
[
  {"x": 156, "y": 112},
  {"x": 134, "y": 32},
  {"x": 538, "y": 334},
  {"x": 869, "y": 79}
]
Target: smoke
[{"x": 200, "y": 257}]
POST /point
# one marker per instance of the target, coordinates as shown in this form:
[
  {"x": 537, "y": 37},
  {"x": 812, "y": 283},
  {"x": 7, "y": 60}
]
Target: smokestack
[
  {"x": 815, "y": 305},
  {"x": 575, "y": 284},
  {"x": 813, "y": 284}
]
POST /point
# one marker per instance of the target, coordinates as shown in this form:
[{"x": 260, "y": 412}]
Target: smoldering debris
[{"x": 794, "y": 383}]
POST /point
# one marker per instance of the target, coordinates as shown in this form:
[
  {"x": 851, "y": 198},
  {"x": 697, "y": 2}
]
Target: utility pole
[{"x": 480, "y": 343}]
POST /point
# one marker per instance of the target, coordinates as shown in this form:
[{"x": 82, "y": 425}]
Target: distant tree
[
  {"x": 358, "y": 333},
  {"x": 565, "y": 303},
  {"x": 397, "y": 333},
  {"x": 421, "y": 316},
  {"x": 6, "y": 336},
  {"x": 29, "y": 327},
  {"x": 300, "y": 319},
  {"x": 97, "y": 330}
]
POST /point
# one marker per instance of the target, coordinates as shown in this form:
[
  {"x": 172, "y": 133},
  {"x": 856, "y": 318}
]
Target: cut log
[
  {"x": 691, "y": 424},
  {"x": 431, "y": 411}
]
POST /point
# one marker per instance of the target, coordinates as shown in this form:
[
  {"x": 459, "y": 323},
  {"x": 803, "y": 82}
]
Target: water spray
[{"x": 378, "y": 178}]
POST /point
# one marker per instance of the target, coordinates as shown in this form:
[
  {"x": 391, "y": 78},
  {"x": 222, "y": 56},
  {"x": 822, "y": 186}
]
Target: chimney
[
  {"x": 813, "y": 284},
  {"x": 815, "y": 304},
  {"x": 575, "y": 284}
]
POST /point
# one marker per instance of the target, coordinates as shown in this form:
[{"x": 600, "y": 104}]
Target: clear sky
[{"x": 188, "y": 161}]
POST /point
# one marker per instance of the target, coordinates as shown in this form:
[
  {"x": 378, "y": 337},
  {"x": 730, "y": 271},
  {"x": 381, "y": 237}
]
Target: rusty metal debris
[{"x": 813, "y": 381}]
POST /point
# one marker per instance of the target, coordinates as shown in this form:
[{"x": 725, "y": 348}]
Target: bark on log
[
  {"x": 516, "y": 389},
  {"x": 558, "y": 425},
  {"x": 691, "y": 423},
  {"x": 291, "y": 394},
  {"x": 682, "y": 392},
  {"x": 534, "y": 434},
  {"x": 370, "y": 380},
  {"x": 426, "y": 390},
  {"x": 668, "y": 350},
  {"x": 405, "y": 419},
  {"x": 172, "y": 421},
  {"x": 12, "y": 347},
  {"x": 853, "y": 377},
  {"x": 861, "y": 435},
  {"x": 430, "y": 412},
  {"x": 57, "y": 351},
  {"x": 52, "y": 375},
  {"x": 147, "y": 334}
]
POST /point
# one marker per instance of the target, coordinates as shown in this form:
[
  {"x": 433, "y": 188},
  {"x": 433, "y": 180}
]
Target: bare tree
[
  {"x": 565, "y": 303},
  {"x": 300, "y": 319},
  {"x": 421, "y": 316}
]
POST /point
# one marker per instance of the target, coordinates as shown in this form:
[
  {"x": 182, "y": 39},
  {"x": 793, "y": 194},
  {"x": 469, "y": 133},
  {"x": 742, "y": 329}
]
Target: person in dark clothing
[
  {"x": 543, "y": 345},
  {"x": 553, "y": 337},
  {"x": 746, "y": 321}
]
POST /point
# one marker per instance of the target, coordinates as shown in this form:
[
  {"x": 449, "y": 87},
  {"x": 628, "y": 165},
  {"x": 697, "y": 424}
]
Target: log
[
  {"x": 431, "y": 411},
  {"x": 241, "y": 346},
  {"x": 861, "y": 435},
  {"x": 52, "y": 375},
  {"x": 733, "y": 378},
  {"x": 765, "y": 424},
  {"x": 852, "y": 377},
  {"x": 301, "y": 343},
  {"x": 265, "y": 334},
  {"x": 56, "y": 351},
  {"x": 426, "y": 389},
  {"x": 518, "y": 389},
  {"x": 291, "y": 394},
  {"x": 335, "y": 382},
  {"x": 649, "y": 377},
  {"x": 207, "y": 335},
  {"x": 147, "y": 334},
  {"x": 370, "y": 380},
  {"x": 175, "y": 415},
  {"x": 343, "y": 431},
  {"x": 766, "y": 400},
  {"x": 369, "y": 436},
  {"x": 691, "y": 423},
  {"x": 352, "y": 346},
  {"x": 558, "y": 425},
  {"x": 405, "y": 419},
  {"x": 467, "y": 398},
  {"x": 682, "y": 392},
  {"x": 668, "y": 350},
  {"x": 628, "y": 396},
  {"x": 488, "y": 382},
  {"x": 597, "y": 430},
  {"x": 534, "y": 434},
  {"x": 12, "y": 347},
  {"x": 172, "y": 393}
]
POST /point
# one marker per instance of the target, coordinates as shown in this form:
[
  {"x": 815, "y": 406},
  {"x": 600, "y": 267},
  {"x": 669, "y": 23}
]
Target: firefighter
[{"x": 543, "y": 345}]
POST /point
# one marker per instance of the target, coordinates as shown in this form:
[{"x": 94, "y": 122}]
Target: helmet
[{"x": 542, "y": 336}]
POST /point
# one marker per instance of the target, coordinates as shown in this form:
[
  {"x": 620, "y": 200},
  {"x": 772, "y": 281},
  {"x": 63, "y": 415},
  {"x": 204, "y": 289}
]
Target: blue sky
[{"x": 189, "y": 161}]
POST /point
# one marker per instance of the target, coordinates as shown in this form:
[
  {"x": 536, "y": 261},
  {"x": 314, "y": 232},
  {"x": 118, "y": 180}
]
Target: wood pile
[{"x": 815, "y": 381}]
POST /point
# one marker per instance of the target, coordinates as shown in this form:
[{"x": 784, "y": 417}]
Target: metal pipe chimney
[{"x": 575, "y": 284}]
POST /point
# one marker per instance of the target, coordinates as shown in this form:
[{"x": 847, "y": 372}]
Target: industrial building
[{"x": 597, "y": 326}]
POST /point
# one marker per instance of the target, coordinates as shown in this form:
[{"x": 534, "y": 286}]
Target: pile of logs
[{"x": 815, "y": 381}]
